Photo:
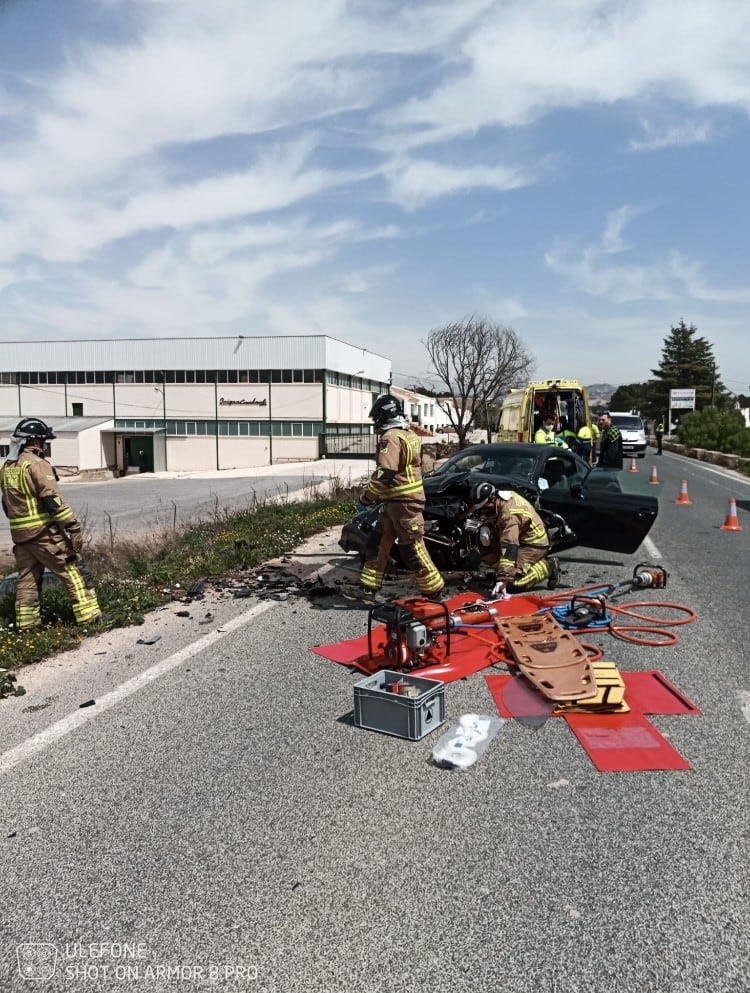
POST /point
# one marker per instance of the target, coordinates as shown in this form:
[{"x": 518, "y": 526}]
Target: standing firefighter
[
  {"x": 524, "y": 545},
  {"x": 397, "y": 484},
  {"x": 45, "y": 532}
]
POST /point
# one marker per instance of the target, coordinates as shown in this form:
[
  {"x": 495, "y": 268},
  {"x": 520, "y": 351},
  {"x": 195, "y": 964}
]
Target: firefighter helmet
[
  {"x": 385, "y": 409},
  {"x": 32, "y": 427}
]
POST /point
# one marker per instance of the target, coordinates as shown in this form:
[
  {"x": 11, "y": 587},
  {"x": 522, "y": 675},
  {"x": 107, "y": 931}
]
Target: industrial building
[{"x": 193, "y": 403}]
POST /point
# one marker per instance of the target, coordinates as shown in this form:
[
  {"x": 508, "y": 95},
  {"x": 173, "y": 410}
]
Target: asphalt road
[
  {"x": 140, "y": 504},
  {"x": 218, "y": 823}
]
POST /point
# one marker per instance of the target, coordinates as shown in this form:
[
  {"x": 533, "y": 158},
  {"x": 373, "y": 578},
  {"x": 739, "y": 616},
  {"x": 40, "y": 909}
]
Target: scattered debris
[
  {"x": 9, "y": 685},
  {"x": 150, "y": 640},
  {"x": 39, "y": 706},
  {"x": 86, "y": 703},
  {"x": 183, "y": 613}
]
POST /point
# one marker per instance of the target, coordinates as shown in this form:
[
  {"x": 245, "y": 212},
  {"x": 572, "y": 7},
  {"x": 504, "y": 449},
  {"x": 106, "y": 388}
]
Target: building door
[{"x": 140, "y": 454}]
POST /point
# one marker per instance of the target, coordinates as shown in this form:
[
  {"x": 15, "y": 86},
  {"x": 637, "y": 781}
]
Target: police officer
[
  {"x": 524, "y": 545},
  {"x": 610, "y": 443},
  {"x": 595, "y": 434},
  {"x": 45, "y": 532},
  {"x": 396, "y": 483},
  {"x": 659, "y": 432},
  {"x": 584, "y": 438}
]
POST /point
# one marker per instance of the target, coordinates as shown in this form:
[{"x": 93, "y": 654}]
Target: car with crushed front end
[{"x": 596, "y": 508}]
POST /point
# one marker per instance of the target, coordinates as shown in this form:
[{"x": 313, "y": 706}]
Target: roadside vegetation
[{"x": 134, "y": 577}]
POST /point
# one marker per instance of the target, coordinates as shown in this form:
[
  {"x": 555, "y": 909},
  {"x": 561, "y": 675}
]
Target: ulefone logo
[{"x": 36, "y": 959}]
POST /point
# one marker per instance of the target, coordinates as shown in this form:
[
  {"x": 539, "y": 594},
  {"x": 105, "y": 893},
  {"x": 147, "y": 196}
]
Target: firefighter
[
  {"x": 44, "y": 530},
  {"x": 524, "y": 545},
  {"x": 610, "y": 443},
  {"x": 396, "y": 483}
]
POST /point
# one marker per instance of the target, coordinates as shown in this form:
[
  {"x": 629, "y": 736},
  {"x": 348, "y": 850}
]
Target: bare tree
[{"x": 477, "y": 361}]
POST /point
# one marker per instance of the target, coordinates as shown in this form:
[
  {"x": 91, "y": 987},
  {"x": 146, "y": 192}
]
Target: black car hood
[{"x": 456, "y": 483}]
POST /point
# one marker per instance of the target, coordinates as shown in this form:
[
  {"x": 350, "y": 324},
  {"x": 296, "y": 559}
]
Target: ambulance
[{"x": 524, "y": 409}]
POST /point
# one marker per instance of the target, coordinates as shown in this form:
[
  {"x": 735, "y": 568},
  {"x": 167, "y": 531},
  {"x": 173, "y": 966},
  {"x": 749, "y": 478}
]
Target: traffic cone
[
  {"x": 633, "y": 466},
  {"x": 683, "y": 497},
  {"x": 654, "y": 481},
  {"x": 731, "y": 523}
]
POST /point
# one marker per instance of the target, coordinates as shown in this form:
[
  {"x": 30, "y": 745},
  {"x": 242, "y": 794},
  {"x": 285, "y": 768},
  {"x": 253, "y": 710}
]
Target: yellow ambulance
[{"x": 524, "y": 409}]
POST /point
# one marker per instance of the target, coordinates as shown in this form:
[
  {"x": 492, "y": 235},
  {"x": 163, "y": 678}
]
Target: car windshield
[
  {"x": 629, "y": 423},
  {"x": 495, "y": 463}
]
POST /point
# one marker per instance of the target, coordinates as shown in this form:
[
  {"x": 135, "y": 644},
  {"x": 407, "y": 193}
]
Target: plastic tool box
[{"x": 378, "y": 708}]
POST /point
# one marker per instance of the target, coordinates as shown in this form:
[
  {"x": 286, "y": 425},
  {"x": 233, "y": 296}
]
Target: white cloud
[
  {"x": 670, "y": 277},
  {"x": 617, "y": 220},
  {"x": 526, "y": 58},
  {"x": 413, "y": 183},
  {"x": 656, "y": 137}
]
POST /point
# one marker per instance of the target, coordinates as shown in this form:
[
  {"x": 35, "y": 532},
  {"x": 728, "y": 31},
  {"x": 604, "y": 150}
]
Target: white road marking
[
  {"x": 651, "y": 548},
  {"x": 78, "y": 718},
  {"x": 744, "y": 698}
]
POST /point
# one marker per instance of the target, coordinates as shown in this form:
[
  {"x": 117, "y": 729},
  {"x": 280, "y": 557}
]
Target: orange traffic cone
[
  {"x": 683, "y": 497},
  {"x": 654, "y": 481},
  {"x": 633, "y": 466},
  {"x": 731, "y": 523}
]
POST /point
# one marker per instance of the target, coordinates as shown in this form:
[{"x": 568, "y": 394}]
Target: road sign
[{"x": 682, "y": 399}]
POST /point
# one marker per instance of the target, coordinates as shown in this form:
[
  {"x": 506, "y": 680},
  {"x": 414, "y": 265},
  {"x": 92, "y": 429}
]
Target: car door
[{"x": 592, "y": 502}]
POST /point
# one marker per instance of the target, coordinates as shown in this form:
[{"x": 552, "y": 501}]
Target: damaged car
[{"x": 580, "y": 505}]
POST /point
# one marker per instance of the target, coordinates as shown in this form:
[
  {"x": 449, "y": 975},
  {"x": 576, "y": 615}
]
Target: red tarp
[
  {"x": 470, "y": 652},
  {"x": 624, "y": 742}
]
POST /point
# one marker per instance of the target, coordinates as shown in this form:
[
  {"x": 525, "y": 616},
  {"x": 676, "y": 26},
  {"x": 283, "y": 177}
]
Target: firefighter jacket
[
  {"x": 29, "y": 491},
  {"x": 398, "y": 472},
  {"x": 519, "y": 524}
]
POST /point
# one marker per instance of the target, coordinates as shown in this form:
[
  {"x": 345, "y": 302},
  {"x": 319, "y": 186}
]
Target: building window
[{"x": 77, "y": 410}]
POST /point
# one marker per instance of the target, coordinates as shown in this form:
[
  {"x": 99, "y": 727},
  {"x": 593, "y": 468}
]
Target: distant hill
[{"x": 600, "y": 394}]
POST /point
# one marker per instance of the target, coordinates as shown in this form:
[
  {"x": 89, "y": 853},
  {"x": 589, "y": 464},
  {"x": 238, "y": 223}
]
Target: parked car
[
  {"x": 633, "y": 432},
  {"x": 596, "y": 508}
]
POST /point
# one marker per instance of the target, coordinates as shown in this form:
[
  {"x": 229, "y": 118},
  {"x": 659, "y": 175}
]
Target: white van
[{"x": 633, "y": 432}]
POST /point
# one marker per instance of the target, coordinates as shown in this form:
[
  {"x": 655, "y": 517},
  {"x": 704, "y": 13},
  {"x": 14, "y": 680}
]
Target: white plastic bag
[{"x": 465, "y": 741}]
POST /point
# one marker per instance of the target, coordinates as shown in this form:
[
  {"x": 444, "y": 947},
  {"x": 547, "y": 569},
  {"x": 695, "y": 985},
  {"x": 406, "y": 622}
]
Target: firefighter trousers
[
  {"x": 401, "y": 521},
  {"x": 49, "y": 551},
  {"x": 531, "y": 568}
]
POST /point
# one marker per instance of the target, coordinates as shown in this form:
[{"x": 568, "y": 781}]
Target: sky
[{"x": 372, "y": 170}]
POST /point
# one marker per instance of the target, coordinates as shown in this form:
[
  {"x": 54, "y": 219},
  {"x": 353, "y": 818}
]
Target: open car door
[{"x": 596, "y": 505}]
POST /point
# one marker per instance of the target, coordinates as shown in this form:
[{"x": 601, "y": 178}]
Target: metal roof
[
  {"x": 77, "y": 424},
  {"x": 313, "y": 351}
]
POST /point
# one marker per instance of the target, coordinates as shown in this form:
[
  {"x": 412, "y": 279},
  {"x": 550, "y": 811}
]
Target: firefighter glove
[{"x": 76, "y": 537}]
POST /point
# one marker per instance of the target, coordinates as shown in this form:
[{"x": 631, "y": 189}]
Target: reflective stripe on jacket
[
  {"x": 398, "y": 473},
  {"x": 518, "y": 523},
  {"x": 24, "y": 482}
]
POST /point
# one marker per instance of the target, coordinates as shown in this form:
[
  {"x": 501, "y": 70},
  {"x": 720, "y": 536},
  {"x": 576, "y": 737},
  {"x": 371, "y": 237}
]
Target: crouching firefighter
[
  {"x": 44, "y": 530},
  {"x": 524, "y": 545},
  {"x": 396, "y": 483}
]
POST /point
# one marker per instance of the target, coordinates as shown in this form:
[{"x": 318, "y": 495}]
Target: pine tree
[{"x": 687, "y": 362}]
